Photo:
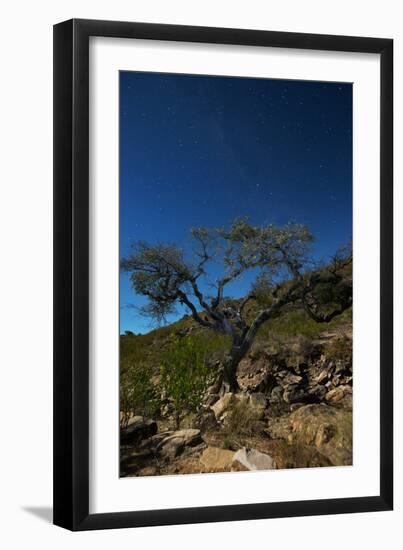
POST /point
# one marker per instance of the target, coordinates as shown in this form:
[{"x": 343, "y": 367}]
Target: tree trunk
[{"x": 229, "y": 381}]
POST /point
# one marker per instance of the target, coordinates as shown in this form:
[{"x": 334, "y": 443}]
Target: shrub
[
  {"x": 242, "y": 419},
  {"x": 137, "y": 393},
  {"x": 332, "y": 291},
  {"x": 185, "y": 372}
]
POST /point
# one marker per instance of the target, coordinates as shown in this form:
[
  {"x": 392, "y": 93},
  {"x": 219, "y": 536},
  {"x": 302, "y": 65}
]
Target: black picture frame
[{"x": 71, "y": 274}]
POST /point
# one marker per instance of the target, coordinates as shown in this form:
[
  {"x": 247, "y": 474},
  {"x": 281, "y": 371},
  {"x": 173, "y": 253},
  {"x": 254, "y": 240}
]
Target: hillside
[{"x": 294, "y": 408}]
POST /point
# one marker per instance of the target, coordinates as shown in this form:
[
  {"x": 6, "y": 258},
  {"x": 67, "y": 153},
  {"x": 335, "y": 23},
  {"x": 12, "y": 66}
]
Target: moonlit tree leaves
[
  {"x": 157, "y": 272},
  {"x": 166, "y": 277}
]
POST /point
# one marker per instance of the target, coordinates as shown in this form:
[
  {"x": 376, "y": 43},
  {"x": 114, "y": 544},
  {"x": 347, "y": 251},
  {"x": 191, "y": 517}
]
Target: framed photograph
[{"x": 223, "y": 323}]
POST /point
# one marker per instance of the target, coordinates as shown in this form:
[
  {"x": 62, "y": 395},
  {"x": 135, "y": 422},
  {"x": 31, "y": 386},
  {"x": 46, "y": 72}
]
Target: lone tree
[{"x": 278, "y": 255}]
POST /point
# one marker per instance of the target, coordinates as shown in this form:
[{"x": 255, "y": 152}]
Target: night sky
[{"x": 202, "y": 150}]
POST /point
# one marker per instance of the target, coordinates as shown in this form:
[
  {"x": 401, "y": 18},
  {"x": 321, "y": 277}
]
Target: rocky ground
[{"x": 294, "y": 411}]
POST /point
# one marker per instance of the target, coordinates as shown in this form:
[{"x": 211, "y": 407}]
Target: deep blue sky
[{"x": 202, "y": 150}]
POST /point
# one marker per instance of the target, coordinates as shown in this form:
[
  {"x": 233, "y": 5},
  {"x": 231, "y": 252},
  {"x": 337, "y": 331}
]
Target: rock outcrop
[
  {"x": 221, "y": 406},
  {"x": 215, "y": 459},
  {"x": 300, "y": 375},
  {"x": 294, "y": 410},
  {"x": 174, "y": 444},
  {"x": 327, "y": 428},
  {"x": 137, "y": 429}
]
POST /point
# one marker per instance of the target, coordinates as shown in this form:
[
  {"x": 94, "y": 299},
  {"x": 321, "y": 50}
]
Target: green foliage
[
  {"x": 138, "y": 348},
  {"x": 229, "y": 444},
  {"x": 332, "y": 291},
  {"x": 185, "y": 371},
  {"x": 137, "y": 392},
  {"x": 296, "y": 322},
  {"x": 291, "y": 323},
  {"x": 167, "y": 277},
  {"x": 157, "y": 271},
  {"x": 269, "y": 247}
]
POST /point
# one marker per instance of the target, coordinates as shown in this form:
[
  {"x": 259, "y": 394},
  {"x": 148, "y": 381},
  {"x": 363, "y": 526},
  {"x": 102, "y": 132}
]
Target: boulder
[
  {"x": 207, "y": 421},
  {"x": 253, "y": 406},
  {"x": 340, "y": 393},
  {"x": 317, "y": 392},
  {"x": 327, "y": 428},
  {"x": 210, "y": 399},
  {"x": 322, "y": 377},
  {"x": 137, "y": 429},
  {"x": 204, "y": 420},
  {"x": 294, "y": 393},
  {"x": 276, "y": 395},
  {"x": 293, "y": 378},
  {"x": 174, "y": 444},
  {"x": 153, "y": 441},
  {"x": 266, "y": 384},
  {"x": 252, "y": 459},
  {"x": 223, "y": 404},
  {"x": 215, "y": 459}
]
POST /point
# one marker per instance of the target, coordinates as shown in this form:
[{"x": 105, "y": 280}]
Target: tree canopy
[{"x": 281, "y": 256}]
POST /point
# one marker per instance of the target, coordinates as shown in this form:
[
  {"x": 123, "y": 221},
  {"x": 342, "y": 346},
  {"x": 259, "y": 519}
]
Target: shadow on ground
[{"x": 45, "y": 513}]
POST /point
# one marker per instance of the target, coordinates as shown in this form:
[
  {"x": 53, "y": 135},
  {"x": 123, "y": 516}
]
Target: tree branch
[
  {"x": 268, "y": 313},
  {"x": 185, "y": 300},
  {"x": 314, "y": 313},
  {"x": 221, "y": 284}
]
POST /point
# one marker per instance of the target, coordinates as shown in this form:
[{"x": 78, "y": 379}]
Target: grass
[
  {"x": 242, "y": 419},
  {"x": 296, "y": 322},
  {"x": 151, "y": 347}
]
